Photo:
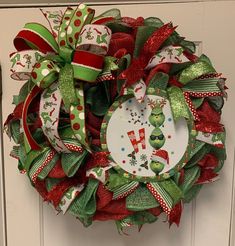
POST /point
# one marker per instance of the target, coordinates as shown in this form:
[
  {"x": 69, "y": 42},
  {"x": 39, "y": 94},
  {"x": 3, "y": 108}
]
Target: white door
[{"x": 207, "y": 221}]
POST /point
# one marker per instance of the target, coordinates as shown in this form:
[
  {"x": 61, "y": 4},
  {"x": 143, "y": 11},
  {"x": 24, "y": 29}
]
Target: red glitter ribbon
[{"x": 136, "y": 70}]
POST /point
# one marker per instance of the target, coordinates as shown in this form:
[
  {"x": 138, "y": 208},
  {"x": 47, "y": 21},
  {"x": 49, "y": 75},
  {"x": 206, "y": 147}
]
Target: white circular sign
[{"x": 139, "y": 134}]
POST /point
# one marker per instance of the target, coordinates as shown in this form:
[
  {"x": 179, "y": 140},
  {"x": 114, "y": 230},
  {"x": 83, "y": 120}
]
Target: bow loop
[
  {"x": 150, "y": 47},
  {"x": 45, "y": 73},
  {"x": 36, "y": 37},
  {"x": 72, "y": 23},
  {"x": 66, "y": 85},
  {"x": 22, "y": 63}
]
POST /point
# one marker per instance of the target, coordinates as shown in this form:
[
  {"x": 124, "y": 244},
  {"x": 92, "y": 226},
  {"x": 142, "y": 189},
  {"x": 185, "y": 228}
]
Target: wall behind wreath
[{"x": 52, "y": 2}]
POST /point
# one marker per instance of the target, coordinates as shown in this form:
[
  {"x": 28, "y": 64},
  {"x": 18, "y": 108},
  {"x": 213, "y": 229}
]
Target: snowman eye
[
  {"x": 153, "y": 114},
  {"x": 160, "y": 137}
]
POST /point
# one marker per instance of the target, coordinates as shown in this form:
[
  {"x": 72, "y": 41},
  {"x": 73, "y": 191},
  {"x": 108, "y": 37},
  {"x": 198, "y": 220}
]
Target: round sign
[{"x": 143, "y": 140}]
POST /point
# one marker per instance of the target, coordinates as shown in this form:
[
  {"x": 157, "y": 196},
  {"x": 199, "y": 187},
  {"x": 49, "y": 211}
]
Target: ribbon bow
[{"x": 57, "y": 62}]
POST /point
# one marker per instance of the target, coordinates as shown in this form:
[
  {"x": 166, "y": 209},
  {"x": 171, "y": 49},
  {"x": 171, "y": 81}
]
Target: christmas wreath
[{"x": 118, "y": 118}]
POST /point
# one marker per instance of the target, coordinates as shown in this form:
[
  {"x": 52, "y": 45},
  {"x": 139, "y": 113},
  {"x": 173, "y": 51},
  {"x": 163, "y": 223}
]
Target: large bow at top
[{"x": 57, "y": 62}]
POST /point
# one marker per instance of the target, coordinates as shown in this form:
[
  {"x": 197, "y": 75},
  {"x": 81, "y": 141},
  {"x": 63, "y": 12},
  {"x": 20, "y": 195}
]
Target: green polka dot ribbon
[{"x": 60, "y": 55}]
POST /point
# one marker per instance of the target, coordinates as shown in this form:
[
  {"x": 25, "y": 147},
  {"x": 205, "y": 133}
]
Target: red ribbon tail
[{"x": 175, "y": 214}]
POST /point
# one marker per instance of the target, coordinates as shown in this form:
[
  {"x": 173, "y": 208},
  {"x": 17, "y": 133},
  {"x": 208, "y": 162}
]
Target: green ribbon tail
[
  {"x": 116, "y": 181},
  {"x": 167, "y": 193},
  {"x": 172, "y": 189},
  {"x": 178, "y": 104},
  {"x": 141, "y": 199},
  {"x": 137, "y": 219},
  {"x": 72, "y": 161},
  {"x": 190, "y": 177},
  {"x": 84, "y": 206},
  {"x": 66, "y": 86}
]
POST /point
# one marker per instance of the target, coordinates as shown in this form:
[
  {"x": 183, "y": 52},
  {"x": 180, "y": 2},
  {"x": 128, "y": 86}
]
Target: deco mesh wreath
[{"x": 118, "y": 120}]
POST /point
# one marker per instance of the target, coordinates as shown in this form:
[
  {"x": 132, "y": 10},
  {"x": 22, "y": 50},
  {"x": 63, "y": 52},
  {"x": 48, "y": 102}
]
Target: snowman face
[
  {"x": 156, "y": 117},
  {"x": 157, "y": 139},
  {"x": 156, "y": 166}
]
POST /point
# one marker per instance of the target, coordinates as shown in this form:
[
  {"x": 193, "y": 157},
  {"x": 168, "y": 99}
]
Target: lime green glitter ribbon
[
  {"x": 66, "y": 85},
  {"x": 194, "y": 71},
  {"x": 84, "y": 206},
  {"x": 187, "y": 77},
  {"x": 178, "y": 104}
]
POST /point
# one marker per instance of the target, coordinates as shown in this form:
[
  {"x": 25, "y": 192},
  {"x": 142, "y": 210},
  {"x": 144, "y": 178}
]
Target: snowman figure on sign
[
  {"x": 157, "y": 139},
  {"x": 159, "y": 159}
]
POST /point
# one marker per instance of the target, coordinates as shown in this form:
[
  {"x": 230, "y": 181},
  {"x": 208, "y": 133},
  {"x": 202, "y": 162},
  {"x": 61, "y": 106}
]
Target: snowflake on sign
[
  {"x": 143, "y": 157},
  {"x": 133, "y": 162}
]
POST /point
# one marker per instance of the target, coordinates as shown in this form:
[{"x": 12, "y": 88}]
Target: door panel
[{"x": 206, "y": 221}]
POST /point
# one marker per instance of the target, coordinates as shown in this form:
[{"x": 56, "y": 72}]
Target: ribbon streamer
[
  {"x": 49, "y": 114},
  {"x": 178, "y": 104},
  {"x": 69, "y": 197}
]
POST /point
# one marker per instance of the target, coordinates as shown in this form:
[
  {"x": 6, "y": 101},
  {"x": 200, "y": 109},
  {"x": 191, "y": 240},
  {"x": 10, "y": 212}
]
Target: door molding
[{"x": 3, "y": 233}]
